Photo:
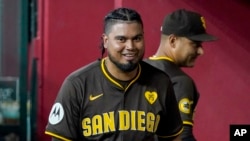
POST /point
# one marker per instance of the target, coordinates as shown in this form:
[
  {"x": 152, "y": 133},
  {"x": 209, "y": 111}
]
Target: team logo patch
[
  {"x": 151, "y": 96},
  {"x": 185, "y": 105},
  {"x": 56, "y": 114}
]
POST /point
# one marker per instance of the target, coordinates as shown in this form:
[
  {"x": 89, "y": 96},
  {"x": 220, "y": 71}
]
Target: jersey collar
[
  {"x": 161, "y": 58},
  {"x": 114, "y": 81}
]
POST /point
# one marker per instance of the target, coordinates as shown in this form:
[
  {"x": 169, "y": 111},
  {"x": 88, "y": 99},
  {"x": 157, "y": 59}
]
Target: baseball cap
[{"x": 186, "y": 24}]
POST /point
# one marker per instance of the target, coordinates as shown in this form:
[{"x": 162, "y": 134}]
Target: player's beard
[{"x": 128, "y": 67}]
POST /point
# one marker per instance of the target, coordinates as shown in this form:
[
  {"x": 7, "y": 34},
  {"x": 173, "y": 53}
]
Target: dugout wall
[{"x": 69, "y": 34}]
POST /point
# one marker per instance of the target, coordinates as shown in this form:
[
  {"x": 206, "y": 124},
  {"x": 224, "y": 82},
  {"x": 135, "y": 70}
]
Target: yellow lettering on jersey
[
  {"x": 109, "y": 122},
  {"x": 86, "y": 125},
  {"x": 124, "y": 120},
  {"x": 127, "y": 120},
  {"x": 150, "y": 123},
  {"x": 97, "y": 124},
  {"x": 141, "y": 120},
  {"x": 133, "y": 121}
]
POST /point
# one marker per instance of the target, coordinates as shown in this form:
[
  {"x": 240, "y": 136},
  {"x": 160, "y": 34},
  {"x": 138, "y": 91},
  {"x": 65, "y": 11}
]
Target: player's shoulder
[
  {"x": 150, "y": 70},
  {"x": 183, "y": 79},
  {"x": 167, "y": 66},
  {"x": 172, "y": 70},
  {"x": 147, "y": 66}
]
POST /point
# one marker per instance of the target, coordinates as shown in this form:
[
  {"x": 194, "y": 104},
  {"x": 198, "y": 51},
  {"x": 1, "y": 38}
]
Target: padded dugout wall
[{"x": 69, "y": 36}]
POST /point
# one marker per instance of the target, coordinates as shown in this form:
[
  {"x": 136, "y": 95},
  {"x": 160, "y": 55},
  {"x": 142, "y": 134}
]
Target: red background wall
[{"x": 69, "y": 35}]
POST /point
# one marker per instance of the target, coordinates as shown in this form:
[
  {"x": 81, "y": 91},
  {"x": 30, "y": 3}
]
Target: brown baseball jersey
[
  {"x": 185, "y": 90},
  {"x": 92, "y": 105}
]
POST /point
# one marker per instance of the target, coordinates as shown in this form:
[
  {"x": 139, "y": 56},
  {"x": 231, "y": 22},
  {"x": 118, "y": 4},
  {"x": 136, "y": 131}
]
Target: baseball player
[
  {"x": 119, "y": 97},
  {"x": 181, "y": 43}
]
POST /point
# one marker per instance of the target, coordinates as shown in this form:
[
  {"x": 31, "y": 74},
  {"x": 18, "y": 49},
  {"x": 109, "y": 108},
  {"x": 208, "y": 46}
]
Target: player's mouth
[{"x": 129, "y": 56}]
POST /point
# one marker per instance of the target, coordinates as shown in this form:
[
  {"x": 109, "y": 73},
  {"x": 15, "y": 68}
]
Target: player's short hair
[{"x": 121, "y": 15}]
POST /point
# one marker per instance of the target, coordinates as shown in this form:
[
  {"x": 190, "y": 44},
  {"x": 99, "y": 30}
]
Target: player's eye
[
  {"x": 120, "y": 39},
  {"x": 138, "y": 38},
  {"x": 196, "y": 44}
]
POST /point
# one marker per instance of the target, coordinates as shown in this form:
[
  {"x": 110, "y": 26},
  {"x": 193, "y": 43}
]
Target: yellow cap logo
[{"x": 203, "y": 22}]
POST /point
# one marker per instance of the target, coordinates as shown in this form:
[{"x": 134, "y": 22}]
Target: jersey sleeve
[
  {"x": 184, "y": 91},
  {"x": 62, "y": 120},
  {"x": 170, "y": 124}
]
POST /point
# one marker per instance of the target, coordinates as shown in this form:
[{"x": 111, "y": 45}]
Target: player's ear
[
  {"x": 105, "y": 40},
  {"x": 172, "y": 40}
]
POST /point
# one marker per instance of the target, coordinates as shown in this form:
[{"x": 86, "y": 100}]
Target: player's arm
[
  {"x": 171, "y": 125},
  {"x": 184, "y": 92},
  {"x": 62, "y": 124}
]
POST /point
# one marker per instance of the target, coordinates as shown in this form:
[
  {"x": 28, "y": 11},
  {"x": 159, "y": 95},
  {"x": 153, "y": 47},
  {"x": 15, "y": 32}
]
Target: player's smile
[{"x": 130, "y": 56}]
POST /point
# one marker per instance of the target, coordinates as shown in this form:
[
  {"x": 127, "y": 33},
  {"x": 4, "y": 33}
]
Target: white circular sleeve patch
[{"x": 56, "y": 114}]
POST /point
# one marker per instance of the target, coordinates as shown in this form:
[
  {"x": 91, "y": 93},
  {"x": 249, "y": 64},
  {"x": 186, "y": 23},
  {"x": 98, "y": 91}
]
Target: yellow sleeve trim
[
  {"x": 57, "y": 136},
  {"x": 178, "y": 133},
  {"x": 188, "y": 123}
]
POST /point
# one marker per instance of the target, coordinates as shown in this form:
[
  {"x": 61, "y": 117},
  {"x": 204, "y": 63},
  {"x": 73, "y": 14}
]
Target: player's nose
[{"x": 200, "y": 51}]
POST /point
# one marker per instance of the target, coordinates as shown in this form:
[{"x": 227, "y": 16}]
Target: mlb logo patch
[{"x": 240, "y": 132}]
